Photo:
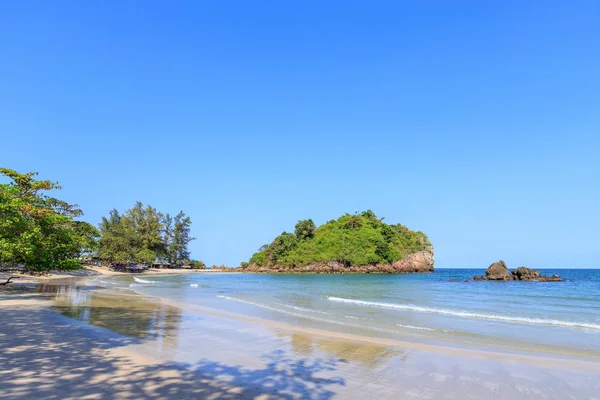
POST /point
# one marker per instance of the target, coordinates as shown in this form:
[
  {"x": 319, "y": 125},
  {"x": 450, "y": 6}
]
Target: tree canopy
[
  {"x": 353, "y": 240},
  {"x": 40, "y": 231},
  {"x": 142, "y": 235}
]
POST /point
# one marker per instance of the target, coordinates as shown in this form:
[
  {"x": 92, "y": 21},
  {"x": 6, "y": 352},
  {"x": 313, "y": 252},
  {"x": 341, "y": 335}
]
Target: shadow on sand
[{"x": 46, "y": 356}]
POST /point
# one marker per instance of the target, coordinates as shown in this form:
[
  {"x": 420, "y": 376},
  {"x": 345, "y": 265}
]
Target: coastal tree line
[{"x": 42, "y": 232}]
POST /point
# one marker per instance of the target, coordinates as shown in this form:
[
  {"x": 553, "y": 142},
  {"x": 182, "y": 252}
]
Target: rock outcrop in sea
[{"x": 498, "y": 271}]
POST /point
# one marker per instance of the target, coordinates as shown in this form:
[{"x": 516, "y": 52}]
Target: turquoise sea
[{"x": 550, "y": 317}]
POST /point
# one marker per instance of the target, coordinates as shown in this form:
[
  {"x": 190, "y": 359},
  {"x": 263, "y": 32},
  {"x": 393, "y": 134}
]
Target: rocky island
[
  {"x": 498, "y": 271},
  {"x": 359, "y": 243}
]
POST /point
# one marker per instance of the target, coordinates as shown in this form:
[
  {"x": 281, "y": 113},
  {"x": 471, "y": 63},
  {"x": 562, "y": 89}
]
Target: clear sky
[{"x": 477, "y": 122}]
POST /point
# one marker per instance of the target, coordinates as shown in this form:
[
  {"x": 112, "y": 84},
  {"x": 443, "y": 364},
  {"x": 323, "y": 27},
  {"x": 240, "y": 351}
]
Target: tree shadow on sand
[{"x": 45, "y": 356}]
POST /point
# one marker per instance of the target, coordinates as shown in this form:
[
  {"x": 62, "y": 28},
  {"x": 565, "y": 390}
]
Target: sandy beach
[
  {"x": 131, "y": 346},
  {"x": 92, "y": 271}
]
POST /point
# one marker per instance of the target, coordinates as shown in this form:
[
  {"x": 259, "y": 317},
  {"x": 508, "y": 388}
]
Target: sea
[{"x": 443, "y": 307}]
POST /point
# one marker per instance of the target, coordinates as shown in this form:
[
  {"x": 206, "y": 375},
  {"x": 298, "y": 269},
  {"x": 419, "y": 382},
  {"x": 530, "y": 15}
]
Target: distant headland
[{"x": 359, "y": 243}]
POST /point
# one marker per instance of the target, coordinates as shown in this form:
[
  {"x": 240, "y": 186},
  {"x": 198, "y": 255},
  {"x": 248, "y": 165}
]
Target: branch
[{"x": 8, "y": 280}]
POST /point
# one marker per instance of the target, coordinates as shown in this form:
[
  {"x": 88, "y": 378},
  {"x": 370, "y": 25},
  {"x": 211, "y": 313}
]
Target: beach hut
[{"x": 160, "y": 265}]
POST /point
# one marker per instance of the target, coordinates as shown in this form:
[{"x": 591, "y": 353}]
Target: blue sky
[{"x": 475, "y": 122}]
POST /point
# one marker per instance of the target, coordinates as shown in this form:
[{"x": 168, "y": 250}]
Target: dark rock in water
[
  {"x": 498, "y": 271},
  {"x": 526, "y": 274}
]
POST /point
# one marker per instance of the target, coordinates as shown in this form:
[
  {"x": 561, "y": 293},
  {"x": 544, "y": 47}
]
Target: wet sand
[{"x": 63, "y": 342}]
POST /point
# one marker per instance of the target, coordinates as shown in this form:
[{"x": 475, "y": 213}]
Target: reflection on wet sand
[
  {"x": 128, "y": 315},
  {"x": 366, "y": 355}
]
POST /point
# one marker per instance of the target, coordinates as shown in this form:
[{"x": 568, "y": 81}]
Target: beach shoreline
[
  {"x": 177, "y": 356},
  {"x": 93, "y": 271}
]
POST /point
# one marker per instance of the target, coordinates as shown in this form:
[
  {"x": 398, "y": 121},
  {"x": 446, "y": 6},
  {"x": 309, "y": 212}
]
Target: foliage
[
  {"x": 197, "y": 264},
  {"x": 359, "y": 239},
  {"x": 143, "y": 235},
  {"x": 40, "y": 231},
  {"x": 305, "y": 229},
  {"x": 177, "y": 235}
]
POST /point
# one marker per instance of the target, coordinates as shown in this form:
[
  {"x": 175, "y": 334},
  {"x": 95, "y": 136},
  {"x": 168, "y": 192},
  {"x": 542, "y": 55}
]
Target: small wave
[
  {"x": 369, "y": 327},
  {"x": 304, "y": 309},
  {"x": 281, "y": 311},
  {"x": 193, "y": 285},
  {"x": 358, "y": 318},
  {"x": 466, "y": 314},
  {"x": 140, "y": 280},
  {"x": 419, "y": 328}
]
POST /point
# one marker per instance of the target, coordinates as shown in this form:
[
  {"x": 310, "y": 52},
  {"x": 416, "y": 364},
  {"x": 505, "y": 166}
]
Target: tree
[
  {"x": 37, "y": 230},
  {"x": 305, "y": 229},
  {"x": 143, "y": 235},
  {"x": 117, "y": 239},
  {"x": 148, "y": 228},
  {"x": 177, "y": 244},
  {"x": 281, "y": 246}
]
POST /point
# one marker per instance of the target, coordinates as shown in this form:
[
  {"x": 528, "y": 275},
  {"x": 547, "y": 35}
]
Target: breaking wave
[
  {"x": 140, "y": 280},
  {"x": 467, "y": 314}
]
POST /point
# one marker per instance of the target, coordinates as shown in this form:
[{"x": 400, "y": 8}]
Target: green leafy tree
[
  {"x": 117, "y": 243},
  {"x": 281, "y": 246},
  {"x": 305, "y": 229},
  {"x": 38, "y": 230},
  {"x": 147, "y": 225},
  {"x": 143, "y": 235},
  {"x": 177, "y": 236}
]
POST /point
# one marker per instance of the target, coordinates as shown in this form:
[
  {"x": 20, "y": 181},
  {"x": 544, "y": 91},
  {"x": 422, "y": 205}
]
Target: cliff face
[{"x": 421, "y": 261}]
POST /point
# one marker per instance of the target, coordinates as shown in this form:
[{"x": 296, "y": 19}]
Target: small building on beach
[{"x": 161, "y": 265}]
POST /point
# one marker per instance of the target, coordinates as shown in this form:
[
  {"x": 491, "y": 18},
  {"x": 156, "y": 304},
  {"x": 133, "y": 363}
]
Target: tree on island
[
  {"x": 143, "y": 235},
  {"x": 40, "y": 231},
  {"x": 305, "y": 229}
]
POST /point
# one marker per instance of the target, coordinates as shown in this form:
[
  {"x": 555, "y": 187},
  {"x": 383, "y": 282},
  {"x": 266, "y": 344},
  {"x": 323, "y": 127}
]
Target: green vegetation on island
[{"x": 351, "y": 240}]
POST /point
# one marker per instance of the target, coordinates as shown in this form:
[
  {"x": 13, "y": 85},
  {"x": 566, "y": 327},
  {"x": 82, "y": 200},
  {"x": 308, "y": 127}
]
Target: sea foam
[
  {"x": 369, "y": 327},
  {"x": 140, "y": 280},
  {"x": 467, "y": 314}
]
